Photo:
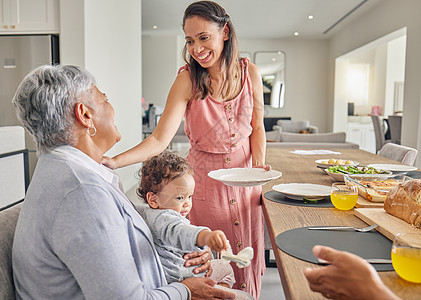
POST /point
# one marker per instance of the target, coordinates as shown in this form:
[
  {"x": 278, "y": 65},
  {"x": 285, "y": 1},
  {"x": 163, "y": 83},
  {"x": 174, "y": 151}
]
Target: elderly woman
[{"x": 78, "y": 236}]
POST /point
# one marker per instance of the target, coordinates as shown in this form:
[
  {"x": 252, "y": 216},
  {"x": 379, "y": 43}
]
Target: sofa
[
  {"x": 331, "y": 140},
  {"x": 8, "y": 221},
  {"x": 295, "y": 126}
]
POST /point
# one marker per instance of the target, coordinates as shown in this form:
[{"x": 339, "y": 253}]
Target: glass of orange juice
[
  {"x": 343, "y": 196},
  {"x": 406, "y": 256}
]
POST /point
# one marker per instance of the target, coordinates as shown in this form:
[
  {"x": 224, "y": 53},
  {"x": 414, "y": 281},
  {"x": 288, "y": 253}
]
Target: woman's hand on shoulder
[{"x": 109, "y": 162}]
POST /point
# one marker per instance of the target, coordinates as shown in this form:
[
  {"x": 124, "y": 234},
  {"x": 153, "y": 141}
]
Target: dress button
[
  {"x": 243, "y": 285},
  {"x": 233, "y": 135},
  {"x": 232, "y": 201},
  {"x": 234, "y": 145},
  {"x": 239, "y": 244},
  {"x": 228, "y": 106},
  {"x": 231, "y": 119},
  {"x": 227, "y": 160},
  {"x": 236, "y": 222}
]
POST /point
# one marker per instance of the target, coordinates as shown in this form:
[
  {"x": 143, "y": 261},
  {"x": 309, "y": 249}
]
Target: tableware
[
  {"x": 369, "y": 260},
  {"x": 376, "y": 187},
  {"x": 324, "y": 163},
  {"x": 344, "y": 197},
  {"x": 244, "y": 176},
  {"x": 303, "y": 191},
  {"x": 389, "y": 225},
  {"x": 346, "y": 228},
  {"x": 406, "y": 256},
  {"x": 395, "y": 168},
  {"x": 335, "y": 176},
  {"x": 341, "y": 176}
]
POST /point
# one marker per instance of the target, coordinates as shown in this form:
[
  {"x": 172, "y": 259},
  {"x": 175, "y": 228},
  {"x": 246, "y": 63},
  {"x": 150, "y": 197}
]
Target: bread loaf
[{"x": 404, "y": 202}]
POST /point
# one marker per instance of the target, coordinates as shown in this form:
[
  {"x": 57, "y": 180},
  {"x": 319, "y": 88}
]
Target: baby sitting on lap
[{"x": 167, "y": 186}]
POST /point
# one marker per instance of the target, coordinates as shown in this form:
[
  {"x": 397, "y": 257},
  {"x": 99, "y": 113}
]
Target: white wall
[
  {"x": 389, "y": 16},
  {"x": 160, "y": 63},
  {"x": 72, "y": 32},
  {"x": 105, "y": 38},
  {"x": 305, "y": 78},
  {"x": 395, "y": 70}
]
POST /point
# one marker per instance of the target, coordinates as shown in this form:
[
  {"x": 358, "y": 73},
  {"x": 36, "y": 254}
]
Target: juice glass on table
[
  {"x": 406, "y": 256},
  {"x": 343, "y": 196}
]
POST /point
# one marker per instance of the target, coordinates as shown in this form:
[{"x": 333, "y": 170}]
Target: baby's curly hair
[{"x": 159, "y": 170}]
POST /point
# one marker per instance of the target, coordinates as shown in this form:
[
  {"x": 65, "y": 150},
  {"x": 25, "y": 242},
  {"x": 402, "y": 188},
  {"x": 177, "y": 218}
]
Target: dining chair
[
  {"x": 403, "y": 154},
  {"x": 379, "y": 132},
  {"x": 395, "y": 126}
]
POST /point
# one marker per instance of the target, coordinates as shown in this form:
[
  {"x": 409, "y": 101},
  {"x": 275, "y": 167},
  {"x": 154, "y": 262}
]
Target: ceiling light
[
  {"x": 310, "y": 17},
  {"x": 296, "y": 33},
  {"x": 155, "y": 27}
]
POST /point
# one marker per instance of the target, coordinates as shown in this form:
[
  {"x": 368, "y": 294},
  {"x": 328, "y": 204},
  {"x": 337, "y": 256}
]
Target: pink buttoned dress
[{"x": 219, "y": 134}]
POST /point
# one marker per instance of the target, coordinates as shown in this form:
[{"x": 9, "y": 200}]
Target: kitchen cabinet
[
  {"x": 360, "y": 131},
  {"x": 29, "y": 16}
]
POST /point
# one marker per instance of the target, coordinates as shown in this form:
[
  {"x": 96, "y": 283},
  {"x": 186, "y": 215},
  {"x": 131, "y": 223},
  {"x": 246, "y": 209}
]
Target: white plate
[
  {"x": 320, "y": 163},
  {"x": 298, "y": 191},
  {"x": 393, "y": 167},
  {"x": 244, "y": 176}
]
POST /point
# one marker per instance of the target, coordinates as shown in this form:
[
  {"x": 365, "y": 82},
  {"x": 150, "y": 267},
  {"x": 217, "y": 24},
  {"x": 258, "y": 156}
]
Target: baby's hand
[{"x": 217, "y": 241}]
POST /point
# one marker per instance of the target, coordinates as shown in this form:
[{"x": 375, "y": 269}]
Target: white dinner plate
[
  {"x": 393, "y": 167},
  {"x": 320, "y": 163},
  {"x": 244, "y": 176},
  {"x": 299, "y": 191}
]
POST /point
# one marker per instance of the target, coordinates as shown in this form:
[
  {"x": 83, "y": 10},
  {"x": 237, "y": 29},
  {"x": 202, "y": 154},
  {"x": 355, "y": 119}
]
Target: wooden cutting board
[
  {"x": 364, "y": 203},
  {"x": 389, "y": 225}
]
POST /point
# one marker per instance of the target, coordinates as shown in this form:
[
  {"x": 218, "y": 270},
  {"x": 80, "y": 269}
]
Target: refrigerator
[{"x": 19, "y": 54}]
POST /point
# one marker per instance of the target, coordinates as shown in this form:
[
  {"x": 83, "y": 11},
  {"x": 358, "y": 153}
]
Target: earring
[{"x": 88, "y": 130}]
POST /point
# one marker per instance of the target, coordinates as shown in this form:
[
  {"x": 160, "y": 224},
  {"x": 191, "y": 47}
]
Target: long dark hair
[{"x": 201, "y": 80}]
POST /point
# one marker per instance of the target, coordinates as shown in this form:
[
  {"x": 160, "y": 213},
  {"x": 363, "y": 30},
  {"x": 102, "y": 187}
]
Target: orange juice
[
  {"x": 407, "y": 263},
  {"x": 343, "y": 199}
]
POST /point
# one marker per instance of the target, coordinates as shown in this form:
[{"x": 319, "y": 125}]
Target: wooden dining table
[{"x": 279, "y": 217}]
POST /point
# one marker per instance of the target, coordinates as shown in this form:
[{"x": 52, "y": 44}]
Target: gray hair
[{"x": 45, "y": 101}]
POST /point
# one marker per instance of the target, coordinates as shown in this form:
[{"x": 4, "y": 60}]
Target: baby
[{"x": 167, "y": 185}]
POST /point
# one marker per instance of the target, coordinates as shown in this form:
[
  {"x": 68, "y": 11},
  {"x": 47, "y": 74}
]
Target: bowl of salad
[{"x": 337, "y": 172}]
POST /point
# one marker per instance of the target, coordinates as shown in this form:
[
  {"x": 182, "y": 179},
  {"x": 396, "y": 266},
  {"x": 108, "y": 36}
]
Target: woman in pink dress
[{"x": 221, "y": 97}]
